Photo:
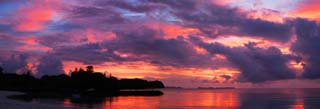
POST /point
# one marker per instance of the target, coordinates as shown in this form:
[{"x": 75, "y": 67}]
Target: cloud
[
  {"x": 142, "y": 43},
  {"x": 35, "y": 15},
  {"x": 92, "y": 53},
  {"x": 49, "y": 65},
  {"x": 215, "y": 20},
  {"x": 211, "y": 19},
  {"x": 307, "y": 9},
  {"x": 256, "y": 64},
  {"x": 146, "y": 44},
  {"x": 156, "y": 32},
  {"x": 307, "y": 45},
  {"x": 15, "y": 63}
]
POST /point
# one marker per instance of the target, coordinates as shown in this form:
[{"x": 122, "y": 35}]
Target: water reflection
[
  {"x": 266, "y": 99},
  {"x": 210, "y": 99}
]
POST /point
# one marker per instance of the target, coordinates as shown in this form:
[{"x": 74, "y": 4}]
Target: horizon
[{"x": 187, "y": 43}]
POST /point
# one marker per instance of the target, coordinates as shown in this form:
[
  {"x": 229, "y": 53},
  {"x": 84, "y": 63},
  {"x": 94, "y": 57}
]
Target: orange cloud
[
  {"x": 296, "y": 66},
  {"x": 172, "y": 31},
  {"x": 200, "y": 50},
  {"x": 308, "y": 9},
  {"x": 235, "y": 41}
]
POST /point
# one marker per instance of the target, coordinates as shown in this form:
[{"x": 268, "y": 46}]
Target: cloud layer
[{"x": 163, "y": 35}]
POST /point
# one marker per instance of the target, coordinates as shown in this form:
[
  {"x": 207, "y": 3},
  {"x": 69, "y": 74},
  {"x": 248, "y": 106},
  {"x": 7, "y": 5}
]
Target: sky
[{"x": 187, "y": 43}]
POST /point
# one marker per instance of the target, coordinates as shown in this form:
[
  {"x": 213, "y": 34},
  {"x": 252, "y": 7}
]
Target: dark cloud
[
  {"x": 147, "y": 44},
  {"x": 49, "y": 65},
  {"x": 177, "y": 4},
  {"x": 307, "y": 45},
  {"x": 95, "y": 17},
  {"x": 8, "y": 42},
  {"x": 138, "y": 44},
  {"x": 92, "y": 53},
  {"x": 215, "y": 20},
  {"x": 135, "y": 42},
  {"x": 62, "y": 39},
  {"x": 256, "y": 64},
  {"x": 136, "y": 6},
  {"x": 266, "y": 29},
  {"x": 226, "y": 77},
  {"x": 10, "y": 1},
  {"x": 16, "y": 63}
]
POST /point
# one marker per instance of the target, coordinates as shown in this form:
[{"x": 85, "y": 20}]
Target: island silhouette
[{"x": 81, "y": 83}]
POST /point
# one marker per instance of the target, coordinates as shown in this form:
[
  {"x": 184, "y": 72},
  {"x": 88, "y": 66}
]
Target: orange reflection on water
[
  {"x": 210, "y": 99},
  {"x": 201, "y": 98},
  {"x": 134, "y": 102},
  {"x": 67, "y": 103},
  {"x": 298, "y": 104}
]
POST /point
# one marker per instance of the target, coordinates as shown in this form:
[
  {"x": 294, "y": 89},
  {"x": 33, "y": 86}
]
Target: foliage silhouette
[{"x": 82, "y": 82}]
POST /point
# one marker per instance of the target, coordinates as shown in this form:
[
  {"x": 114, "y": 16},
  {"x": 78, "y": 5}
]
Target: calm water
[{"x": 207, "y": 99}]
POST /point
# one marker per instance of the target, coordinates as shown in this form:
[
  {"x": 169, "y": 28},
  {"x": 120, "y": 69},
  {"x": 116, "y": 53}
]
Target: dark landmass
[
  {"x": 216, "y": 87},
  {"x": 81, "y": 83},
  {"x": 173, "y": 87}
]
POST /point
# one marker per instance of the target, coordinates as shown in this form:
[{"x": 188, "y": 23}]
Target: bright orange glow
[
  {"x": 200, "y": 50},
  {"x": 137, "y": 102},
  {"x": 308, "y": 11},
  {"x": 299, "y": 104},
  {"x": 234, "y": 41},
  {"x": 297, "y": 67},
  {"x": 172, "y": 31},
  {"x": 223, "y": 99},
  {"x": 220, "y": 56},
  {"x": 142, "y": 70}
]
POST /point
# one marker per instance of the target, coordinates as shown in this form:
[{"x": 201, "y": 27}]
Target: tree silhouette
[
  {"x": 1, "y": 70},
  {"x": 90, "y": 69},
  {"x": 85, "y": 82}
]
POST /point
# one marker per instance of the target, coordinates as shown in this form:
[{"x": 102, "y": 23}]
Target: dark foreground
[{"x": 80, "y": 84}]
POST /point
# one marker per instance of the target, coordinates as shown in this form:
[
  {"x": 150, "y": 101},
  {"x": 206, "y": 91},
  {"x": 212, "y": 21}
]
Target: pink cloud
[{"x": 35, "y": 15}]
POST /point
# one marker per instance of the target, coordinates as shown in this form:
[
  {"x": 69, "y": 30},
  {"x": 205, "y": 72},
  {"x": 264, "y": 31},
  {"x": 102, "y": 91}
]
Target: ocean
[{"x": 201, "y": 99}]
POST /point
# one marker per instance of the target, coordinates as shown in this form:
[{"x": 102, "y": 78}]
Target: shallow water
[{"x": 205, "y": 99}]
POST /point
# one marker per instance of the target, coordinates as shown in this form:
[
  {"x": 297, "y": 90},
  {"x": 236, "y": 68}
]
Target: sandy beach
[{"x": 6, "y": 103}]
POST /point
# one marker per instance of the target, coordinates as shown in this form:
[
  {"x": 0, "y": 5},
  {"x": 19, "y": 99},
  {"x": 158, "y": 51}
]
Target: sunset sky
[{"x": 188, "y": 43}]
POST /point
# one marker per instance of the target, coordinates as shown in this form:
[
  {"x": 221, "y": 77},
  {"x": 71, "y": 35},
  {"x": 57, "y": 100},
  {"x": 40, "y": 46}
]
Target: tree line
[{"x": 81, "y": 80}]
